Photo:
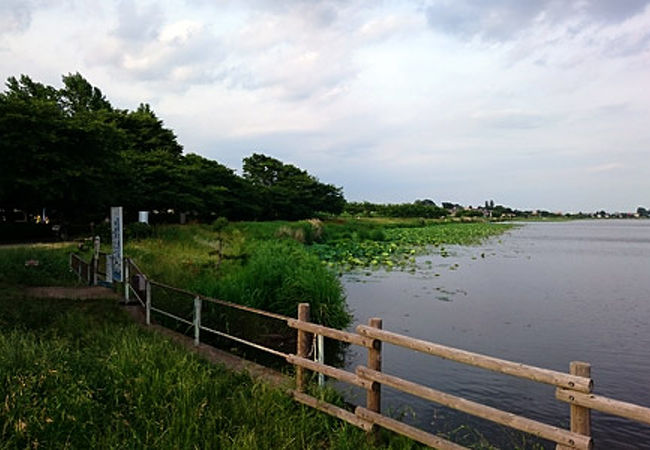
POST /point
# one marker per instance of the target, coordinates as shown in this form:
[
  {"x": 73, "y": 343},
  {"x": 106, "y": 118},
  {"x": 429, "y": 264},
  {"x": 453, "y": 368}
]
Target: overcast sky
[{"x": 532, "y": 104}]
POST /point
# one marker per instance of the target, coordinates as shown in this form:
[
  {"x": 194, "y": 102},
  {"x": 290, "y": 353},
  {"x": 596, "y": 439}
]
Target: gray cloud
[
  {"x": 136, "y": 24},
  {"x": 504, "y": 20},
  {"x": 16, "y": 15}
]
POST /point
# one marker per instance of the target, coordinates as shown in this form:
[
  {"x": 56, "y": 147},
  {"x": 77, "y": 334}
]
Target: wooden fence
[{"x": 574, "y": 388}]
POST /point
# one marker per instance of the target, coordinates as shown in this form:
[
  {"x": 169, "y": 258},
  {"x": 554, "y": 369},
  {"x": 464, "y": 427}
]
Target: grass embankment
[{"x": 80, "y": 374}]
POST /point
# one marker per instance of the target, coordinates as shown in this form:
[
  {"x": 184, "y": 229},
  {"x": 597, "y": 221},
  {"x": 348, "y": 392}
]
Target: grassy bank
[{"x": 79, "y": 374}]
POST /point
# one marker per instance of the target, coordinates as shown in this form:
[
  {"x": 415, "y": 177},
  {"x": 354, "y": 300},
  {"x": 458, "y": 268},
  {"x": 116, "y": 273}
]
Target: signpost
[{"x": 117, "y": 243}]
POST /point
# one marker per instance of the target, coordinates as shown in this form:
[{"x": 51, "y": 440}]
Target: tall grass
[
  {"x": 273, "y": 274},
  {"x": 281, "y": 274},
  {"x": 85, "y": 377}
]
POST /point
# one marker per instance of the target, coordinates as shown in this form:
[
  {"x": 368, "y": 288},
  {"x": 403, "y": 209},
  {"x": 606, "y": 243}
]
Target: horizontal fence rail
[
  {"x": 532, "y": 373},
  {"x": 573, "y": 388}
]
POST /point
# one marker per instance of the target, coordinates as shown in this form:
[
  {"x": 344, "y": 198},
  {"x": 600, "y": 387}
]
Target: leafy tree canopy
[{"x": 70, "y": 151}]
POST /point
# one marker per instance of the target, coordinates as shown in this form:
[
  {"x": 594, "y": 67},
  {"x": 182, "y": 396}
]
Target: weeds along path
[{"x": 214, "y": 355}]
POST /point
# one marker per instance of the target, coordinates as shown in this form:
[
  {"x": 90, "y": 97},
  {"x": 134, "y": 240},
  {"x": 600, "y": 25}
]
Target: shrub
[{"x": 281, "y": 274}]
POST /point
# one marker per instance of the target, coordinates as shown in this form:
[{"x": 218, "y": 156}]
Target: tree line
[{"x": 70, "y": 151}]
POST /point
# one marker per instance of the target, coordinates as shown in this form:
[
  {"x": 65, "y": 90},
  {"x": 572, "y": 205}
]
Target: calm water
[{"x": 543, "y": 294}]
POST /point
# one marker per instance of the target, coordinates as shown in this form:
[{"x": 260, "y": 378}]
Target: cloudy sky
[{"x": 535, "y": 104}]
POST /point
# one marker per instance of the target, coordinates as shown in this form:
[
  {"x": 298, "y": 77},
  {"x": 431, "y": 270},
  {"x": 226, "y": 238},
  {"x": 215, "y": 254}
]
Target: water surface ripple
[{"x": 543, "y": 294}]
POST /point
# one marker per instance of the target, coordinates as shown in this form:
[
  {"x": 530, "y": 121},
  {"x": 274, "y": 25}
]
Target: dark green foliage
[
  {"x": 69, "y": 151},
  {"x": 420, "y": 208},
  {"x": 137, "y": 230},
  {"x": 289, "y": 192},
  {"x": 219, "y": 224}
]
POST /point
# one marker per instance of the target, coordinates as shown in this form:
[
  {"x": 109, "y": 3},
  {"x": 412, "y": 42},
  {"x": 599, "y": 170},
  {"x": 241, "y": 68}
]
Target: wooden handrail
[
  {"x": 332, "y": 410},
  {"x": 605, "y": 404},
  {"x": 520, "y": 370},
  {"x": 401, "y": 428},
  {"x": 333, "y": 372},
  {"x": 333, "y": 333},
  {"x": 555, "y": 434}
]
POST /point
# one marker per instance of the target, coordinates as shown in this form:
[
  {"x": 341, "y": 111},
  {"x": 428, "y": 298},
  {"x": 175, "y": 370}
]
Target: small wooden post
[
  {"x": 126, "y": 281},
  {"x": 197, "y": 320},
  {"x": 580, "y": 416},
  {"x": 96, "y": 247},
  {"x": 373, "y": 396},
  {"x": 302, "y": 349},
  {"x": 109, "y": 268},
  {"x": 147, "y": 302}
]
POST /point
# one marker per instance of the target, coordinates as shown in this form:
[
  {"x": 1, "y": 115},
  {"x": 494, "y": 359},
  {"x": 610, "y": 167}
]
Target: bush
[
  {"x": 281, "y": 274},
  {"x": 137, "y": 230}
]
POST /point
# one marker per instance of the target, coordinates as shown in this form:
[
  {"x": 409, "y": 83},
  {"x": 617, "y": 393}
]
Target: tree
[
  {"x": 78, "y": 96},
  {"x": 288, "y": 192},
  {"x": 145, "y": 131},
  {"x": 50, "y": 159}
]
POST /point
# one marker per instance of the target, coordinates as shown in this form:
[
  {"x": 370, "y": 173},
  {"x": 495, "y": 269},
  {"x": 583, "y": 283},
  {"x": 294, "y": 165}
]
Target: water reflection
[{"x": 544, "y": 294}]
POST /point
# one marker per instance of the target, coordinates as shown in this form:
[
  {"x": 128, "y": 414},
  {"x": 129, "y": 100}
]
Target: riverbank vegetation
[
  {"x": 276, "y": 265},
  {"x": 81, "y": 374}
]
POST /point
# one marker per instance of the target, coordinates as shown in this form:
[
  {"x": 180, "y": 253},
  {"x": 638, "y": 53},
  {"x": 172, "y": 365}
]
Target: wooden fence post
[
  {"x": 109, "y": 268},
  {"x": 147, "y": 288},
  {"x": 197, "y": 320},
  {"x": 126, "y": 281},
  {"x": 373, "y": 395},
  {"x": 96, "y": 248},
  {"x": 580, "y": 416},
  {"x": 302, "y": 349}
]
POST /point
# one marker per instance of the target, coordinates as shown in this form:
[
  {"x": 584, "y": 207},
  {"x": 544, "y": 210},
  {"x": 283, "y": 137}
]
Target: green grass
[
  {"x": 51, "y": 265},
  {"x": 79, "y": 374}
]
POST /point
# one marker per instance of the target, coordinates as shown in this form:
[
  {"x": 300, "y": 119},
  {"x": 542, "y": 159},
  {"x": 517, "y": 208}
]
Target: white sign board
[{"x": 116, "y": 240}]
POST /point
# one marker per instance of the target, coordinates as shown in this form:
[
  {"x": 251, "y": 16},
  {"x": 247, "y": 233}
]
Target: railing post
[
  {"x": 319, "y": 356},
  {"x": 96, "y": 247},
  {"x": 147, "y": 288},
  {"x": 373, "y": 395},
  {"x": 197, "y": 320},
  {"x": 126, "y": 281},
  {"x": 109, "y": 268},
  {"x": 302, "y": 349},
  {"x": 580, "y": 416}
]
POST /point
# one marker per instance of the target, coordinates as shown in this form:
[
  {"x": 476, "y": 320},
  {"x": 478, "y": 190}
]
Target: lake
[{"x": 544, "y": 293}]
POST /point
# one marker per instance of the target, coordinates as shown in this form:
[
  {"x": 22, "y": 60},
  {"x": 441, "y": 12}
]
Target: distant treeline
[
  {"x": 420, "y": 208},
  {"x": 70, "y": 151}
]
